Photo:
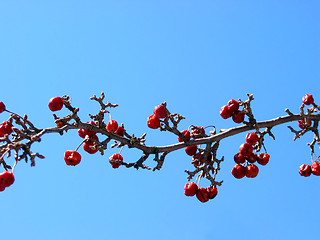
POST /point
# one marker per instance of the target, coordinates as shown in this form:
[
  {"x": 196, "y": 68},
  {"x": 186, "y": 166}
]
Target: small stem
[
  {"x": 2, "y": 161},
  {"x": 80, "y": 144},
  {"x": 15, "y": 164},
  {"x": 121, "y": 149},
  {"x": 109, "y": 115}
]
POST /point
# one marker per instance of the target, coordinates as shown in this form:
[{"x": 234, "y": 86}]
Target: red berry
[
  {"x": 120, "y": 131},
  {"x": 55, "y": 104},
  {"x": 307, "y": 99},
  {"x": 72, "y": 157},
  {"x": 160, "y": 111},
  {"x": 186, "y": 133},
  {"x": 190, "y": 189},
  {"x": 238, "y": 116},
  {"x": 315, "y": 168},
  {"x": 252, "y": 138},
  {"x": 191, "y": 150},
  {"x": 153, "y": 121},
  {"x": 263, "y": 158},
  {"x": 112, "y": 126},
  {"x": 238, "y": 171},
  {"x": 6, "y": 178},
  {"x": 198, "y": 132},
  {"x": 83, "y": 132},
  {"x": 225, "y": 112},
  {"x": 252, "y": 158},
  {"x": 6, "y": 128},
  {"x": 212, "y": 192},
  {"x": 239, "y": 158},
  {"x": 90, "y": 146},
  {"x": 303, "y": 125},
  {"x": 233, "y": 105},
  {"x": 251, "y": 171},
  {"x": 245, "y": 149},
  {"x": 203, "y": 195},
  {"x": 115, "y": 160},
  {"x": 2, "y": 107},
  {"x": 305, "y": 170}
]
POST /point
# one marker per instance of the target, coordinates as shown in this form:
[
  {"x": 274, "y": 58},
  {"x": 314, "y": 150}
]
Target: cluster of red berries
[
  {"x": 90, "y": 138},
  {"x": 306, "y": 170},
  {"x": 73, "y": 158},
  {"x": 203, "y": 194},
  {"x": 232, "y": 110},
  {"x": 160, "y": 111},
  {"x": 307, "y": 100},
  {"x": 6, "y": 178},
  {"x": 196, "y": 133},
  {"x": 246, "y": 158},
  {"x": 191, "y": 189},
  {"x": 6, "y": 126},
  {"x": 113, "y": 127}
]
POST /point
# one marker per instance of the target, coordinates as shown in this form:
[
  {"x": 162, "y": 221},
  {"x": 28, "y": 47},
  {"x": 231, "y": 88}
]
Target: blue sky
[{"x": 196, "y": 55}]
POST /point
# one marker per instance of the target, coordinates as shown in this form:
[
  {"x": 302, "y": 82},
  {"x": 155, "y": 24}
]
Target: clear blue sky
[{"x": 196, "y": 55}]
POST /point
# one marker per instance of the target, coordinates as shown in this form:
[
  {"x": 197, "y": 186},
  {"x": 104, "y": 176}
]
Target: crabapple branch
[
  {"x": 173, "y": 147},
  {"x": 19, "y": 138}
]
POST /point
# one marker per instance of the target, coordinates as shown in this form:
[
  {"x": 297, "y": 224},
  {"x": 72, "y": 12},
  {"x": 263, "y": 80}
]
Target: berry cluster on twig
[{"x": 17, "y": 135}]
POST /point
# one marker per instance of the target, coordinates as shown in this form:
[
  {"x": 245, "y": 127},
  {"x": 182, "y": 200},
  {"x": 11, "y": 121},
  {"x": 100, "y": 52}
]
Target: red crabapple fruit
[
  {"x": 84, "y": 132},
  {"x": 115, "y": 160},
  {"x": 190, "y": 189},
  {"x": 251, "y": 171},
  {"x": 55, "y": 104},
  {"x": 239, "y": 158},
  {"x": 191, "y": 150},
  {"x": 186, "y": 133},
  {"x": 197, "y": 132},
  {"x": 203, "y": 195},
  {"x": 233, "y": 105},
  {"x": 153, "y": 121},
  {"x": 245, "y": 149},
  {"x": 303, "y": 125},
  {"x": 307, "y": 99},
  {"x": 2, "y": 107},
  {"x": 238, "y": 116},
  {"x": 315, "y": 168},
  {"x": 225, "y": 112},
  {"x": 238, "y": 171},
  {"x": 252, "y": 138},
  {"x": 112, "y": 126},
  {"x": 212, "y": 192},
  {"x": 120, "y": 131},
  {"x": 72, "y": 157},
  {"x": 305, "y": 170},
  {"x": 263, "y": 158},
  {"x": 160, "y": 111}
]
